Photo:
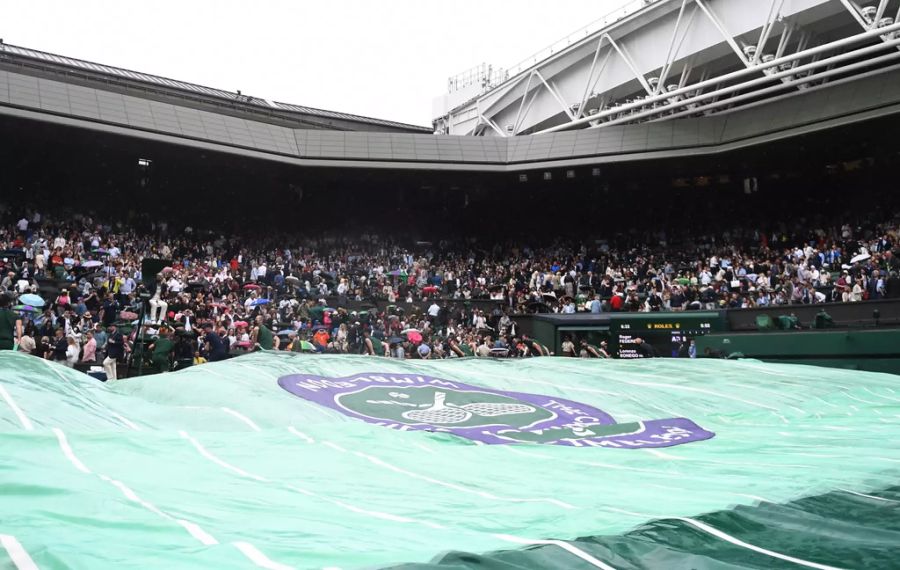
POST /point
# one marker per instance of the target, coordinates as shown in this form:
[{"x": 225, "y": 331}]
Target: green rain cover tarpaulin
[{"x": 359, "y": 462}]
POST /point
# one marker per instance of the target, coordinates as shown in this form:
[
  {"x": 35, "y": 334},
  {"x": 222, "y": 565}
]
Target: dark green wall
[{"x": 874, "y": 350}]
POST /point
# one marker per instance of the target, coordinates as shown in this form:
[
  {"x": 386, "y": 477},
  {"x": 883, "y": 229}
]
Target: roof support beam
[
  {"x": 741, "y": 73},
  {"x": 587, "y": 84},
  {"x": 630, "y": 63}
]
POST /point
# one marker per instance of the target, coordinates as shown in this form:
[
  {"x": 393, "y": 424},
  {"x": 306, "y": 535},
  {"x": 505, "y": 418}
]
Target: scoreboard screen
[{"x": 668, "y": 337}]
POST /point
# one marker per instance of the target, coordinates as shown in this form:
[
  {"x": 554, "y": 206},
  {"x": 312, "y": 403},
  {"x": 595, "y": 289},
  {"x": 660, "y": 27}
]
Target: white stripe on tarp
[
  {"x": 700, "y": 390},
  {"x": 125, "y": 421},
  {"x": 560, "y": 543},
  {"x": 868, "y": 496},
  {"x": 23, "y": 419},
  {"x": 882, "y": 395},
  {"x": 132, "y": 496},
  {"x": 738, "y": 542},
  {"x": 728, "y": 538},
  {"x": 223, "y": 464},
  {"x": 204, "y": 537},
  {"x": 301, "y": 435},
  {"x": 87, "y": 401},
  {"x": 460, "y": 488},
  {"x": 67, "y": 451},
  {"x": 854, "y": 398},
  {"x": 662, "y": 455},
  {"x": 258, "y": 558},
  {"x": 194, "y": 530},
  {"x": 241, "y": 417},
  {"x": 20, "y": 558},
  {"x": 376, "y": 514}
]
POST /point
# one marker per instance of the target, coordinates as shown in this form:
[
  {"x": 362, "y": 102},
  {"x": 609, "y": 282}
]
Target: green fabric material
[
  {"x": 162, "y": 346},
  {"x": 8, "y": 320},
  {"x": 198, "y": 468},
  {"x": 265, "y": 338}
]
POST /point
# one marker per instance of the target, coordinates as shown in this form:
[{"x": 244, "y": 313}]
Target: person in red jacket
[{"x": 616, "y": 302}]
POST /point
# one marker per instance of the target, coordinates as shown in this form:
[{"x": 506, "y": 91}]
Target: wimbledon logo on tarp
[{"x": 415, "y": 402}]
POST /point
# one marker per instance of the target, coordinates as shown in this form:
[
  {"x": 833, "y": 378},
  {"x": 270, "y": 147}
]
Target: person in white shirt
[
  {"x": 22, "y": 225},
  {"x": 72, "y": 352},
  {"x": 128, "y": 286}
]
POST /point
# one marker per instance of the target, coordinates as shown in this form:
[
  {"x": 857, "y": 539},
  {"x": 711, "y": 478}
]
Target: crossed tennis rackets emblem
[
  {"x": 441, "y": 412},
  {"x": 441, "y": 406}
]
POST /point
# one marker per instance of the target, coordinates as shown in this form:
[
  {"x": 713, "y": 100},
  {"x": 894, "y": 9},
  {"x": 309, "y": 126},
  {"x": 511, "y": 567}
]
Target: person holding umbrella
[{"x": 10, "y": 325}]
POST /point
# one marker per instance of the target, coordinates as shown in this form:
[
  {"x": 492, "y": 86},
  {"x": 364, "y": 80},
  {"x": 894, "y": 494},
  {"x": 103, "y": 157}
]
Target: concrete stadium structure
[
  {"x": 670, "y": 78},
  {"x": 667, "y": 59}
]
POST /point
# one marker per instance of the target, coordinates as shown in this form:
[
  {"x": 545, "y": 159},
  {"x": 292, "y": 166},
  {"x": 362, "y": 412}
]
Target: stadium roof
[{"x": 46, "y": 61}]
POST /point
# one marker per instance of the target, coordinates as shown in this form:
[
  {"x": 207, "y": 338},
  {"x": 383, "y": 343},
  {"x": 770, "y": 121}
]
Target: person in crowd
[
  {"x": 72, "y": 352},
  {"x": 115, "y": 352},
  {"x": 89, "y": 355},
  {"x": 10, "y": 325},
  {"x": 289, "y": 279},
  {"x": 215, "y": 348},
  {"x": 263, "y": 336},
  {"x": 60, "y": 346},
  {"x": 568, "y": 347},
  {"x": 161, "y": 350},
  {"x": 644, "y": 348}
]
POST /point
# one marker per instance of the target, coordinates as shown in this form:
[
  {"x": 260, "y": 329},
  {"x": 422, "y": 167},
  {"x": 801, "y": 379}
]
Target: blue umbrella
[
  {"x": 256, "y": 302},
  {"x": 32, "y": 299}
]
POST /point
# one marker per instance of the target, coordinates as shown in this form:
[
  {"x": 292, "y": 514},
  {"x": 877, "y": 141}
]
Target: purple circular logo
[{"x": 417, "y": 402}]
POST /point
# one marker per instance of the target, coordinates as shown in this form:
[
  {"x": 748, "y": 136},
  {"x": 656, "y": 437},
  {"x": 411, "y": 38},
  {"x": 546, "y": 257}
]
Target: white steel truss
[{"x": 610, "y": 79}]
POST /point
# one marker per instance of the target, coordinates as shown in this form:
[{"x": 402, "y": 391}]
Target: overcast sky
[{"x": 386, "y": 59}]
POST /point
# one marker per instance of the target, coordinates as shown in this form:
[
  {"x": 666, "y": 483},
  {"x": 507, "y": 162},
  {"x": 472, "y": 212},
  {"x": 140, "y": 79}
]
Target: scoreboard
[{"x": 665, "y": 332}]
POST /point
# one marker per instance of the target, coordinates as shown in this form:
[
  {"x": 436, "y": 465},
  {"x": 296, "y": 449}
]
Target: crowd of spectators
[{"x": 322, "y": 293}]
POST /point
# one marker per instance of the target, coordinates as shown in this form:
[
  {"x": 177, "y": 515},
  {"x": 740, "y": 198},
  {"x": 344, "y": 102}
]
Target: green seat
[
  {"x": 788, "y": 322},
  {"x": 764, "y": 323},
  {"x": 823, "y": 321}
]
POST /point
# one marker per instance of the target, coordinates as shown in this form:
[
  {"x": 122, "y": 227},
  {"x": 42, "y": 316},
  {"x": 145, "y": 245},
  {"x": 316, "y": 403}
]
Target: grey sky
[{"x": 386, "y": 59}]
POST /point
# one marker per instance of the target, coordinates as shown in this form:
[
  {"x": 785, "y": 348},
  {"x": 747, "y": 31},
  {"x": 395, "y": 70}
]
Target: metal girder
[
  {"x": 518, "y": 124},
  {"x": 781, "y": 47},
  {"x": 729, "y": 39},
  {"x": 587, "y": 84},
  {"x": 672, "y": 52},
  {"x": 692, "y": 90},
  {"x": 556, "y": 95},
  {"x": 890, "y": 57},
  {"x": 767, "y": 29},
  {"x": 630, "y": 63},
  {"x": 522, "y": 104},
  {"x": 855, "y": 11},
  {"x": 788, "y": 73}
]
